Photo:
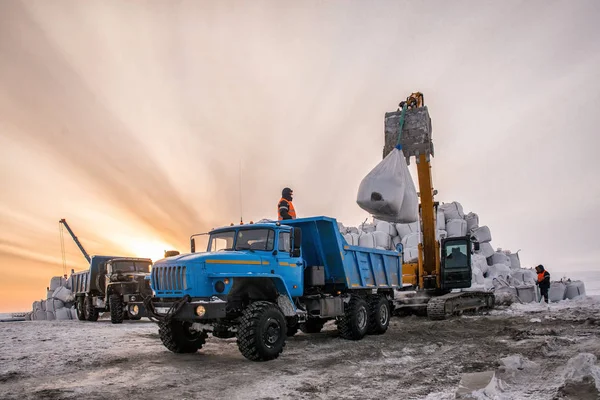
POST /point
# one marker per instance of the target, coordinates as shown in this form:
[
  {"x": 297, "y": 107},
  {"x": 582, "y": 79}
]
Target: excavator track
[{"x": 441, "y": 307}]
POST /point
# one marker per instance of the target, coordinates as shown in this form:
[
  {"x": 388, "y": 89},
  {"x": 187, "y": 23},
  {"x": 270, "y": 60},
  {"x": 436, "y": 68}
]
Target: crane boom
[{"x": 77, "y": 242}]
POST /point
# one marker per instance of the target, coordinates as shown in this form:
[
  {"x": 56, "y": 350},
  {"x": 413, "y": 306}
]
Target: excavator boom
[{"x": 77, "y": 242}]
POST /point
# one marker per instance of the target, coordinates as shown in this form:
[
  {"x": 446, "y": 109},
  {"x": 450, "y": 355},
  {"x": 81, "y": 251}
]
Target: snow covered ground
[{"x": 532, "y": 352}]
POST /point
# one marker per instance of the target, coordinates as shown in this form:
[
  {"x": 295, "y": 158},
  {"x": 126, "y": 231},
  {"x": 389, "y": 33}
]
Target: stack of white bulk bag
[
  {"x": 498, "y": 271},
  {"x": 63, "y": 294},
  {"x": 499, "y": 257},
  {"x": 456, "y": 227},
  {"x": 557, "y": 291},
  {"x": 574, "y": 289},
  {"x": 366, "y": 240},
  {"x": 56, "y": 282},
  {"x": 515, "y": 262},
  {"x": 382, "y": 240},
  {"x": 386, "y": 227},
  {"x": 472, "y": 221},
  {"x": 411, "y": 240}
]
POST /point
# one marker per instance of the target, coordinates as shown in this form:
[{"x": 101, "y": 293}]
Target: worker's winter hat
[
  {"x": 287, "y": 192},
  {"x": 540, "y": 267}
]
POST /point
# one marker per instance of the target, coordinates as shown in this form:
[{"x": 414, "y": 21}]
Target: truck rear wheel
[
  {"x": 80, "y": 308},
  {"x": 313, "y": 325},
  {"x": 116, "y": 309},
  {"x": 91, "y": 313},
  {"x": 355, "y": 321},
  {"x": 261, "y": 332},
  {"x": 292, "y": 326},
  {"x": 379, "y": 315},
  {"x": 179, "y": 338}
]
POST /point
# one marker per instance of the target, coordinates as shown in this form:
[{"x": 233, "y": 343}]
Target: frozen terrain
[{"x": 526, "y": 347}]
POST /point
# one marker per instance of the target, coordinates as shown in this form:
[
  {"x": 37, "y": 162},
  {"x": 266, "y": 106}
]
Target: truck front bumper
[{"x": 213, "y": 308}]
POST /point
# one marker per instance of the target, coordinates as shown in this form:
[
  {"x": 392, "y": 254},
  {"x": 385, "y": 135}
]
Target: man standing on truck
[
  {"x": 285, "y": 208},
  {"x": 543, "y": 281}
]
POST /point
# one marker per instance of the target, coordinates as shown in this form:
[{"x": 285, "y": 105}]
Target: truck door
[
  {"x": 291, "y": 268},
  {"x": 456, "y": 263}
]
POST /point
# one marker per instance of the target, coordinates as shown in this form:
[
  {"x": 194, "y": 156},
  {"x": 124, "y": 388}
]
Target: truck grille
[{"x": 169, "y": 280}]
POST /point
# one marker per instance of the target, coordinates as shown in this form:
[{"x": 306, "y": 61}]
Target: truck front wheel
[
  {"x": 179, "y": 338},
  {"x": 80, "y": 308},
  {"x": 261, "y": 332},
  {"x": 91, "y": 313},
  {"x": 355, "y": 321},
  {"x": 116, "y": 309},
  {"x": 379, "y": 315}
]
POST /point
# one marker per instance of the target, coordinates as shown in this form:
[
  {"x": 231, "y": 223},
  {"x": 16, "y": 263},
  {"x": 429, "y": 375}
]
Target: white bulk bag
[
  {"x": 382, "y": 239},
  {"x": 486, "y": 250},
  {"x": 63, "y": 314},
  {"x": 575, "y": 289},
  {"x": 515, "y": 263},
  {"x": 482, "y": 234},
  {"x": 50, "y": 316},
  {"x": 456, "y": 227},
  {"x": 529, "y": 276},
  {"x": 53, "y": 304},
  {"x": 341, "y": 227},
  {"x": 396, "y": 240},
  {"x": 388, "y": 192},
  {"x": 56, "y": 282},
  {"x": 557, "y": 291},
  {"x": 386, "y": 227},
  {"x": 367, "y": 227},
  {"x": 472, "y": 221},
  {"x": 527, "y": 293},
  {"x": 348, "y": 238},
  {"x": 49, "y": 294},
  {"x": 73, "y": 313},
  {"x": 439, "y": 235},
  {"x": 355, "y": 237},
  {"x": 452, "y": 210},
  {"x": 40, "y": 315},
  {"x": 500, "y": 257},
  {"x": 498, "y": 271},
  {"x": 440, "y": 220},
  {"x": 63, "y": 294},
  {"x": 411, "y": 241},
  {"x": 352, "y": 230},
  {"x": 407, "y": 229},
  {"x": 411, "y": 255},
  {"x": 366, "y": 240},
  {"x": 477, "y": 276},
  {"x": 37, "y": 306},
  {"x": 478, "y": 261}
]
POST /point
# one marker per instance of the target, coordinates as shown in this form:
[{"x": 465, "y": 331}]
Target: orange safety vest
[
  {"x": 541, "y": 276},
  {"x": 291, "y": 209}
]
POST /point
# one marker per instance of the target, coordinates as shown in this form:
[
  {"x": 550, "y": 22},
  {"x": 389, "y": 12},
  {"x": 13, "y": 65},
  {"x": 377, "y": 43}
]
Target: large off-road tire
[
  {"x": 80, "y": 308},
  {"x": 261, "y": 332},
  {"x": 292, "y": 326},
  {"x": 313, "y": 325},
  {"x": 116, "y": 309},
  {"x": 379, "y": 315},
  {"x": 178, "y": 338},
  {"x": 91, "y": 312},
  {"x": 354, "y": 323}
]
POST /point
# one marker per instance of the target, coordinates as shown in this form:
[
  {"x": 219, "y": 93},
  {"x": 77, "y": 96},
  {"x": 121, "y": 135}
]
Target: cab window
[
  {"x": 255, "y": 239},
  {"x": 284, "y": 242},
  {"x": 456, "y": 255}
]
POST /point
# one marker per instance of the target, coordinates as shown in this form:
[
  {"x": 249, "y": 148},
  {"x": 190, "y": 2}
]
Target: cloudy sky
[{"x": 132, "y": 119}]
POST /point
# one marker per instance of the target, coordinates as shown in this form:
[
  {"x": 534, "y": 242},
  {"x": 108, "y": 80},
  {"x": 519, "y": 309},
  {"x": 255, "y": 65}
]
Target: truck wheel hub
[
  {"x": 272, "y": 332},
  {"x": 383, "y": 315}
]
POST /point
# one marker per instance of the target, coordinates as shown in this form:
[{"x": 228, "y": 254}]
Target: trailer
[{"x": 263, "y": 282}]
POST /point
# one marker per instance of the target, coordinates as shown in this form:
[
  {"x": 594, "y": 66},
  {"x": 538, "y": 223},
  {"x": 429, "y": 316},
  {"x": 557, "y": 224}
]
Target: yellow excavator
[{"x": 433, "y": 284}]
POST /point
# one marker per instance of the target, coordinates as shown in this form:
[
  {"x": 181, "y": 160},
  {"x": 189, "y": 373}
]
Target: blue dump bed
[{"x": 356, "y": 267}]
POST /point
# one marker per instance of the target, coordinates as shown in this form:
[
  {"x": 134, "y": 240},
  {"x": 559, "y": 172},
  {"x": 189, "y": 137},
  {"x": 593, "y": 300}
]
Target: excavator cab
[{"x": 455, "y": 265}]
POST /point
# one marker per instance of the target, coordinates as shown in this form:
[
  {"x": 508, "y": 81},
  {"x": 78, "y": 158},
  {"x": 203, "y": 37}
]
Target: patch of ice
[
  {"x": 581, "y": 366},
  {"x": 535, "y": 320}
]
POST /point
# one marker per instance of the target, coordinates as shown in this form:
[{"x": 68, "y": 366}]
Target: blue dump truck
[{"x": 263, "y": 282}]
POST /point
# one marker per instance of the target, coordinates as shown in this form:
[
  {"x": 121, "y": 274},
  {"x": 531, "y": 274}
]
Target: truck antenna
[{"x": 241, "y": 199}]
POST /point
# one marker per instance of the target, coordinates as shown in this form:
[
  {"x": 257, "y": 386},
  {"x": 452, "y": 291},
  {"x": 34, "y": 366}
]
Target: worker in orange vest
[
  {"x": 285, "y": 208},
  {"x": 543, "y": 281}
]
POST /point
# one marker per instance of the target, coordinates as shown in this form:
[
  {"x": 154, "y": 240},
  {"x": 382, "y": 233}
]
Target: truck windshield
[
  {"x": 456, "y": 255},
  {"x": 222, "y": 241},
  {"x": 255, "y": 239},
  {"x": 130, "y": 266}
]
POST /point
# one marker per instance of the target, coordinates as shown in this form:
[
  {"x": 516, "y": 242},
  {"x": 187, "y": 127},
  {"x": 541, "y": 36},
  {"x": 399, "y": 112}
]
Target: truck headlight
[
  {"x": 134, "y": 310},
  {"x": 200, "y": 311}
]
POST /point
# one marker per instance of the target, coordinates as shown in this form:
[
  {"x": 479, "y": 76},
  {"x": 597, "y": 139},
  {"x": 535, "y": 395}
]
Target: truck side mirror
[
  {"x": 476, "y": 246},
  {"x": 297, "y": 232},
  {"x": 193, "y": 245}
]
